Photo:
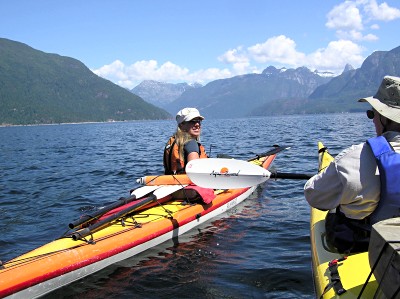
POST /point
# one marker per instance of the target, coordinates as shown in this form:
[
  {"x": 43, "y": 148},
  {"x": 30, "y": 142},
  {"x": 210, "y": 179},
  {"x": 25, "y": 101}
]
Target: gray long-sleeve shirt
[{"x": 351, "y": 181}]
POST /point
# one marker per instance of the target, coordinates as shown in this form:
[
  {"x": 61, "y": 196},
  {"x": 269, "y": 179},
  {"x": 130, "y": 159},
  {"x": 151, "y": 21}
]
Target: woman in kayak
[
  {"x": 184, "y": 145},
  {"x": 361, "y": 186}
]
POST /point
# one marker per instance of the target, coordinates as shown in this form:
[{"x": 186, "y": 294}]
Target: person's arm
[
  {"x": 192, "y": 150},
  {"x": 323, "y": 191},
  {"x": 192, "y": 156}
]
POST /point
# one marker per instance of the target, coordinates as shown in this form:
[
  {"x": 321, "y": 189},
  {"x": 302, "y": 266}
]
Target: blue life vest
[{"x": 388, "y": 162}]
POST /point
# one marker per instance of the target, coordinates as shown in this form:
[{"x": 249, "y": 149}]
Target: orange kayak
[{"x": 120, "y": 233}]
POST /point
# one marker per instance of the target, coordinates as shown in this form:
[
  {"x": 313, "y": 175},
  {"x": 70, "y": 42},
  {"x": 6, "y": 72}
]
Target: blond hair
[{"x": 181, "y": 138}]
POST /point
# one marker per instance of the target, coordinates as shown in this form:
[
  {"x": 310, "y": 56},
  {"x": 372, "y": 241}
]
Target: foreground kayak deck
[
  {"x": 353, "y": 271},
  {"x": 65, "y": 260}
]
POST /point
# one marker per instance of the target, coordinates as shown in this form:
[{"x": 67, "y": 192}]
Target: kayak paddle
[
  {"x": 225, "y": 173},
  {"x": 177, "y": 179},
  {"x": 219, "y": 173},
  {"x": 159, "y": 193},
  {"x": 138, "y": 193}
]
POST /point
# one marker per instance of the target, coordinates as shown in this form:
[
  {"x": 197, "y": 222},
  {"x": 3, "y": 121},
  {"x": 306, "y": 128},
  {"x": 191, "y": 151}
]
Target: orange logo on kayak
[{"x": 224, "y": 170}]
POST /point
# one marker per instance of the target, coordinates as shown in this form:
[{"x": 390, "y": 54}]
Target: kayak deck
[{"x": 353, "y": 271}]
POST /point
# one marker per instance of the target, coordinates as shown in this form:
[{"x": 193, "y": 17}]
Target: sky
[{"x": 174, "y": 41}]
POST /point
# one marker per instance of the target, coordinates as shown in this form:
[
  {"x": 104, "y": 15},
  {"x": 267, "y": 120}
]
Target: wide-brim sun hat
[
  {"x": 387, "y": 100},
  {"x": 187, "y": 114}
]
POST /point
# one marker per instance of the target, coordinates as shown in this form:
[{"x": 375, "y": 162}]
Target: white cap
[{"x": 187, "y": 114}]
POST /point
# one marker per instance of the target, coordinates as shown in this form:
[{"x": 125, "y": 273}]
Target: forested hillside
[{"x": 42, "y": 88}]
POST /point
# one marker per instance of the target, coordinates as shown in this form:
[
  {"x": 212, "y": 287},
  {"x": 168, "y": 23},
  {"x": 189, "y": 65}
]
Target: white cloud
[
  {"x": 350, "y": 17},
  {"x": 345, "y": 16},
  {"x": 355, "y": 35},
  {"x": 203, "y": 76},
  {"x": 370, "y": 37},
  {"x": 279, "y": 49},
  {"x": 381, "y": 12},
  {"x": 131, "y": 75},
  {"x": 233, "y": 56},
  {"x": 238, "y": 59},
  {"x": 151, "y": 70},
  {"x": 335, "y": 56},
  {"x": 115, "y": 69}
]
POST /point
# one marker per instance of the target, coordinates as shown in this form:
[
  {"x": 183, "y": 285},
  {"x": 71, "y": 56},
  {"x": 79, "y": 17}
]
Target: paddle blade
[
  {"x": 142, "y": 191},
  {"x": 167, "y": 190},
  {"x": 225, "y": 173}
]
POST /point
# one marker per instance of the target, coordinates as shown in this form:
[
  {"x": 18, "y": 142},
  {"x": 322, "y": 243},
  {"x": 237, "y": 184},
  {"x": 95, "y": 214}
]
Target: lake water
[{"x": 51, "y": 175}]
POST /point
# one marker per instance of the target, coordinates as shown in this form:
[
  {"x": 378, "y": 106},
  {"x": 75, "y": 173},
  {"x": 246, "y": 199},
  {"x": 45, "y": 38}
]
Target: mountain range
[
  {"x": 240, "y": 95},
  {"x": 289, "y": 91},
  {"x": 342, "y": 92},
  {"x": 43, "y": 88}
]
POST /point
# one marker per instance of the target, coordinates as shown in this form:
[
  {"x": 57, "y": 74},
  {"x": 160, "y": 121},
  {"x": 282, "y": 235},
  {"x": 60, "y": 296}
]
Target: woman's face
[{"x": 193, "y": 127}]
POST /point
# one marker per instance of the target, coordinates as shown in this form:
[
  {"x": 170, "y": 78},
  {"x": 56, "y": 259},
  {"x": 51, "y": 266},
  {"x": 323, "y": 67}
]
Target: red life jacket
[{"x": 173, "y": 162}]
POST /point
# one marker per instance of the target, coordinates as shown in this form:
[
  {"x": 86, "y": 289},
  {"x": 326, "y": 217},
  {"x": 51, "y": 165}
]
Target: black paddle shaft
[
  {"x": 86, "y": 218},
  {"x": 290, "y": 176}
]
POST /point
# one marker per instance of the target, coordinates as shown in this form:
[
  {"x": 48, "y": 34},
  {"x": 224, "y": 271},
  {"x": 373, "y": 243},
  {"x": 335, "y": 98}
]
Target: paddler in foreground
[{"x": 362, "y": 185}]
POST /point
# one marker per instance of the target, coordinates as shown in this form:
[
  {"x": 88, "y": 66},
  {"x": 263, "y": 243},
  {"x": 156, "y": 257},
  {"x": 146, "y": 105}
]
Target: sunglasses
[
  {"x": 370, "y": 114},
  {"x": 193, "y": 122}
]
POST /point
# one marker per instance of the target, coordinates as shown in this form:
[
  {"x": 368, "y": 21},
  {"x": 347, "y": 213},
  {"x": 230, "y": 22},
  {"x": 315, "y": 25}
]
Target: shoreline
[{"x": 81, "y": 123}]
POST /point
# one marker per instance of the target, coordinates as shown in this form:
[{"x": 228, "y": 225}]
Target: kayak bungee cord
[
  {"x": 135, "y": 194},
  {"x": 125, "y": 213},
  {"x": 76, "y": 236},
  {"x": 160, "y": 193}
]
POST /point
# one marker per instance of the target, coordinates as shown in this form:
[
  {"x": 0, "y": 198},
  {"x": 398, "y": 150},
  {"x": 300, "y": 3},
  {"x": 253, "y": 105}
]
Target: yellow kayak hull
[{"x": 353, "y": 271}]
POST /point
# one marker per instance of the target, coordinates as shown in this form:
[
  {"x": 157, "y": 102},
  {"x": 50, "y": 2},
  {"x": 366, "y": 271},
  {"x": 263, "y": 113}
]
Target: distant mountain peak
[
  {"x": 348, "y": 68},
  {"x": 161, "y": 93},
  {"x": 271, "y": 70}
]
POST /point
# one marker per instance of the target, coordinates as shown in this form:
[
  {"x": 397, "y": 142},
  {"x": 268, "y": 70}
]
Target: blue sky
[{"x": 128, "y": 41}]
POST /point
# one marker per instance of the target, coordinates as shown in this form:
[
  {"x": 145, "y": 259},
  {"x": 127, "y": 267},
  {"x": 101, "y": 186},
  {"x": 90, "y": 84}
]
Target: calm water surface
[{"x": 51, "y": 175}]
